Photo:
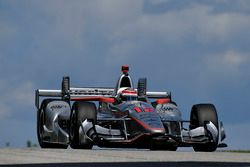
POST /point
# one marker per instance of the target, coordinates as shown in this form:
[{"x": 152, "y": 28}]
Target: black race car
[{"x": 123, "y": 117}]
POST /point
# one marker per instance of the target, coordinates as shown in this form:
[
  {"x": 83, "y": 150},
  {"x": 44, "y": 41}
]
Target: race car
[{"x": 123, "y": 117}]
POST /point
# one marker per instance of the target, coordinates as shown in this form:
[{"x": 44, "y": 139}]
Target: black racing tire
[
  {"x": 40, "y": 122},
  {"x": 80, "y": 112},
  {"x": 200, "y": 114}
]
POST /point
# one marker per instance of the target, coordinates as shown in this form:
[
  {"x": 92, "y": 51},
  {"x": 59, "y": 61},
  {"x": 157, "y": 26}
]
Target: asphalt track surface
[{"x": 118, "y": 158}]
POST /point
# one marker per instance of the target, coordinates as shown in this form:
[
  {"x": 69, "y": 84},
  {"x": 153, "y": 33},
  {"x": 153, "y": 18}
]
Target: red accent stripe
[
  {"x": 147, "y": 126},
  {"x": 146, "y": 109},
  {"x": 162, "y": 101},
  {"x": 101, "y": 99},
  {"x": 129, "y": 92},
  {"x": 137, "y": 109}
]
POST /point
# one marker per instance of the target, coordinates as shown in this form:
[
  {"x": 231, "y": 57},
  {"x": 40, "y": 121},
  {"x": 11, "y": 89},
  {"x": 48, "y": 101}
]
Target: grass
[{"x": 237, "y": 151}]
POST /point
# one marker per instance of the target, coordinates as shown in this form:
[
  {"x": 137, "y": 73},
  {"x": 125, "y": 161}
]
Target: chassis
[{"x": 83, "y": 117}]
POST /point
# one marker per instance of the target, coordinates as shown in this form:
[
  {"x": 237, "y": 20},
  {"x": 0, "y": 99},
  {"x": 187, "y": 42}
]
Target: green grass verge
[{"x": 237, "y": 151}]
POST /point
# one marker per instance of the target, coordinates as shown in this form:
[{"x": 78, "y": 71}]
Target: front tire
[
  {"x": 80, "y": 112},
  {"x": 200, "y": 114}
]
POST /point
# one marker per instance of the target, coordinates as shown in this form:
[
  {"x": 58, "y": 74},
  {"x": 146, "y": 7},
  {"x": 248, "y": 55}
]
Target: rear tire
[
  {"x": 201, "y": 113},
  {"x": 80, "y": 112},
  {"x": 40, "y": 122}
]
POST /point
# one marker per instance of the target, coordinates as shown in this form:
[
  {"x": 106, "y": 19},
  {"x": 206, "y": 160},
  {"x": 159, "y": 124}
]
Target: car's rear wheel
[
  {"x": 80, "y": 112},
  {"x": 41, "y": 119},
  {"x": 200, "y": 114}
]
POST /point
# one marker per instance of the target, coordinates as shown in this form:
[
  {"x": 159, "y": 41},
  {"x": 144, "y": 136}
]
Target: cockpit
[{"x": 127, "y": 94}]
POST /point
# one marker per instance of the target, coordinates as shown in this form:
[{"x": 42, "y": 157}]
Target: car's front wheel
[{"x": 200, "y": 114}]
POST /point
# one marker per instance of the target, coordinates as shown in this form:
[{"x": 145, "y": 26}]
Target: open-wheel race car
[{"x": 123, "y": 117}]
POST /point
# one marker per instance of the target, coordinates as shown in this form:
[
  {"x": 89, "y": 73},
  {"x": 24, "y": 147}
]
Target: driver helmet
[{"x": 127, "y": 94}]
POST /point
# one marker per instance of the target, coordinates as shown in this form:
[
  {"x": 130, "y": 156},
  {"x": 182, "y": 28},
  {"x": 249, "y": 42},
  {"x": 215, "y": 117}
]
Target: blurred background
[{"x": 198, "y": 50}]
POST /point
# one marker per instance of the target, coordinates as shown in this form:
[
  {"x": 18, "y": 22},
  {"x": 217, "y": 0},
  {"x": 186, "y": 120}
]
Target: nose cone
[
  {"x": 157, "y": 130},
  {"x": 151, "y": 122}
]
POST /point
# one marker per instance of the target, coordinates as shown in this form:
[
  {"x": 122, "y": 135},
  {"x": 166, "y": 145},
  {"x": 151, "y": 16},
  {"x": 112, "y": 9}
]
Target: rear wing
[
  {"x": 73, "y": 93},
  {"x": 69, "y": 93}
]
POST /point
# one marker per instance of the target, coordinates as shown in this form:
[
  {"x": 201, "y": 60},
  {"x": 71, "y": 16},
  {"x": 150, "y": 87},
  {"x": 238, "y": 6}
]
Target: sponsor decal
[{"x": 57, "y": 107}]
